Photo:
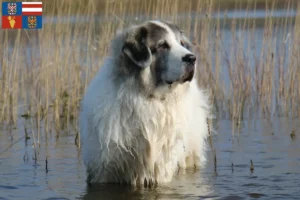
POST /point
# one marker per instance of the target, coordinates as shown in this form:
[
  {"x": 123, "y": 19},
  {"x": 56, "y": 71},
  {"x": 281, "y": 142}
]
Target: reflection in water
[
  {"x": 274, "y": 153},
  {"x": 188, "y": 185}
]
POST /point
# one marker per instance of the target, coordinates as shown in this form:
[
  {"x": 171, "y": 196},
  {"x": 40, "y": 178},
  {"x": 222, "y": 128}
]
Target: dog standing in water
[{"x": 143, "y": 116}]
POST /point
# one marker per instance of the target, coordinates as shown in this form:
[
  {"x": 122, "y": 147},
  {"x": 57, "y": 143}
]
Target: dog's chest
[{"x": 158, "y": 120}]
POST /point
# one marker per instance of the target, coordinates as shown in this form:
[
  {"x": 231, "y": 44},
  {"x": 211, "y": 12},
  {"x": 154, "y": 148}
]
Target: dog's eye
[
  {"x": 153, "y": 50},
  {"x": 163, "y": 45},
  {"x": 182, "y": 43}
]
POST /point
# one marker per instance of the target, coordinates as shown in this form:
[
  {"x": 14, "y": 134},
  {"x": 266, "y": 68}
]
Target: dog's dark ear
[{"x": 136, "y": 49}]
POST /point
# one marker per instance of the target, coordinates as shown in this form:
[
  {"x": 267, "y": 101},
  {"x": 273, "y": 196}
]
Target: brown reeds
[{"x": 44, "y": 73}]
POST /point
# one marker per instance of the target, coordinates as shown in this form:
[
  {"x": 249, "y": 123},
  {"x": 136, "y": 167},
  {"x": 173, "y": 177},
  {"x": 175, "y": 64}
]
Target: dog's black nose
[{"x": 189, "y": 58}]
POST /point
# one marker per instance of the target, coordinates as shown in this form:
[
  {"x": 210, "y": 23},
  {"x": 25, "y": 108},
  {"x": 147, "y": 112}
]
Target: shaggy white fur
[{"x": 127, "y": 137}]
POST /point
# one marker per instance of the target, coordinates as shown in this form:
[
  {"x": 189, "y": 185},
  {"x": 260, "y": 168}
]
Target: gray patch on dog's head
[
  {"x": 179, "y": 34},
  {"x": 177, "y": 31},
  {"x": 136, "y": 49},
  {"x": 153, "y": 50},
  {"x": 156, "y": 33}
]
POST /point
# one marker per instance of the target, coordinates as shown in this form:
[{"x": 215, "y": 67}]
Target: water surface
[{"x": 274, "y": 153}]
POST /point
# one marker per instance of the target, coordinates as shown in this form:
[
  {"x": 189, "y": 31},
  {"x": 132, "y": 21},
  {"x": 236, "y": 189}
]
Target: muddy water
[{"x": 275, "y": 155}]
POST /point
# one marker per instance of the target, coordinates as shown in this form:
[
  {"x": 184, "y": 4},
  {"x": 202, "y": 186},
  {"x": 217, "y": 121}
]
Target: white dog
[{"x": 143, "y": 116}]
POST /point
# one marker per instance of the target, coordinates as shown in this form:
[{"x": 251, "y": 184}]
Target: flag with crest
[
  {"x": 25, "y": 15},
  {"x": 12, "y": 8}
]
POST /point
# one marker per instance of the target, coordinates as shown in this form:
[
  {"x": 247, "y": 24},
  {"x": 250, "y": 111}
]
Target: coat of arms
[
  {"x": 11, "y": 21},
  {"x": 32, "y": 21},
  {"x": 11, "y": 8}
]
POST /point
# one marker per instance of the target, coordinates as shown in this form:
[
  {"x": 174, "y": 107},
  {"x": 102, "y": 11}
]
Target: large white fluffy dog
[{"x": 143, "y": 116}]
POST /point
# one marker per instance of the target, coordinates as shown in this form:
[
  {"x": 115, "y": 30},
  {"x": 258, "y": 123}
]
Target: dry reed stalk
[{"x": 49, "y": 80}]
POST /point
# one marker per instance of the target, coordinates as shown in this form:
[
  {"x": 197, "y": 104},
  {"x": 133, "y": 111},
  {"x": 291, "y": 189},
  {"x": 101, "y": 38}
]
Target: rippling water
[{"x": 274, "y": 153}]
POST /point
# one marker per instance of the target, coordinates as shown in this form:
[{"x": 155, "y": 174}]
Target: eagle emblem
[
  {"x": 32, "y": 21},
  {"x": 11, "y": 8}
]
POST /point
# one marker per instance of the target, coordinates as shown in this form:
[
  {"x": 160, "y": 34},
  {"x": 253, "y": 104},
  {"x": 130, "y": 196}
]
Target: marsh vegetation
[{"x": 249, "y": 62}]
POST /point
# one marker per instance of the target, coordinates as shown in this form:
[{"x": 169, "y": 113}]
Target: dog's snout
[{"x": 189, "y": 58}]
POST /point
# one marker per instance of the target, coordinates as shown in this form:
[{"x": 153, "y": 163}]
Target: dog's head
[{"x": 161, "y": 48}]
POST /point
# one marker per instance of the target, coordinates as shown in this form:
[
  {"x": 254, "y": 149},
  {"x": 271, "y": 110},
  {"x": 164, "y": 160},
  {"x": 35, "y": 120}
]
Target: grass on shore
[{"x": 44, "y": 73}]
